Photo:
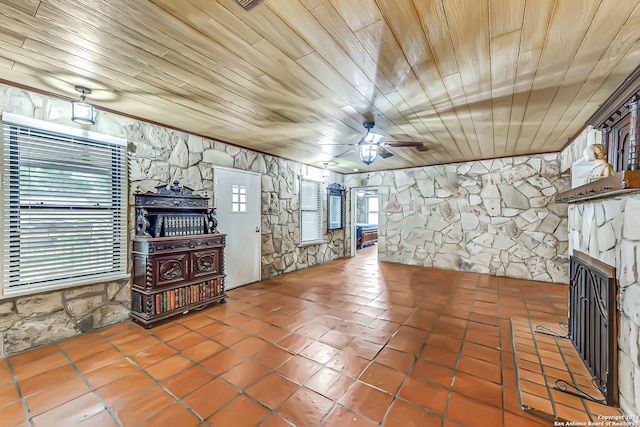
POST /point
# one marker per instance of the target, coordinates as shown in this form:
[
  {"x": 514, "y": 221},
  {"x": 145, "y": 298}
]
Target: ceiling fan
[{"x": 369, "y": 146}]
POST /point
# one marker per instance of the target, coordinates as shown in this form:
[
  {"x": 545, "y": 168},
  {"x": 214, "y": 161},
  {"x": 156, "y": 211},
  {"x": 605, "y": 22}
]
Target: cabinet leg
[{"x": 223, "y": 301}]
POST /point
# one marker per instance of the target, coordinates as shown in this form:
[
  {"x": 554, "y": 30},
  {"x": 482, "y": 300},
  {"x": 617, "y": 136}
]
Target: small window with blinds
[
  {"x": 64, "y": 210},
  {"x": 310, "y": 211}
]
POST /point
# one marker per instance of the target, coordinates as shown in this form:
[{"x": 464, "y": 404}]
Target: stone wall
[
  {"x": 33, "y": 320},
  {"x": 496, "y": 217},
  {"x": 606, "y": 230},
  {"x": 361, "y": 212},
  {"x": 160, "y": 155}
]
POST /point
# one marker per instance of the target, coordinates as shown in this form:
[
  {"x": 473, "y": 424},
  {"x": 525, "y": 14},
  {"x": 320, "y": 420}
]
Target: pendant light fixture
[
  {"x": 368, "y": 147},
  {"x": 368, "y": 153},
  {"x": 325, "y": 171},
  {"x": 81, "y": 111}
]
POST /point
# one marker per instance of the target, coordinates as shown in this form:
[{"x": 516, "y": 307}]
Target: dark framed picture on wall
[{"x": 335, "y": 207}]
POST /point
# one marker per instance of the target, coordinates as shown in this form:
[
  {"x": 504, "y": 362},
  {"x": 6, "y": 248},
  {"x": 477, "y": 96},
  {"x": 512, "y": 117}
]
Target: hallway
[{"x": 352, "y": 342}]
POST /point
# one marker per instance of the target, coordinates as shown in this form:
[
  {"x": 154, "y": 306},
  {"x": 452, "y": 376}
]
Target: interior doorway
[
  {"x": 237, "y": 198},
  {"x": 365, "y": 208}
]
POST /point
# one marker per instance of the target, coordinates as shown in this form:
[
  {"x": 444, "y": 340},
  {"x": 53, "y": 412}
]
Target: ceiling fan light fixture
[
  {"x": 368, "y": 153},
  {"x": 81, "y": 111},
  {"x": 373, "y": 138}
]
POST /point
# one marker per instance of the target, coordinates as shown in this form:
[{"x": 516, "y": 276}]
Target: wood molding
[{"x": 617, "y": 99}]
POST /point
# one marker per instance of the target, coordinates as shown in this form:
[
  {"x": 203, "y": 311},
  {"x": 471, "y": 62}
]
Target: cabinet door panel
[
  {"x": 170, "y": 269},
  {"x": 205, "y": 263}
]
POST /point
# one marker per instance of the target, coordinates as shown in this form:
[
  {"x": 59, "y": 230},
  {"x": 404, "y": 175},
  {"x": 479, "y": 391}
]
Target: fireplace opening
[{"x": 593, "y": 321}]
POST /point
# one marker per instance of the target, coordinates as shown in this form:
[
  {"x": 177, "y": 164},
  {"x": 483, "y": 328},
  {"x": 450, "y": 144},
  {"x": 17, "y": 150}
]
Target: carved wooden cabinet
[{"x": 178, "y": 255}]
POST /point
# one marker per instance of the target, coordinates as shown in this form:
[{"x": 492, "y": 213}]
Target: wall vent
[{"x": 249, "y": 4}]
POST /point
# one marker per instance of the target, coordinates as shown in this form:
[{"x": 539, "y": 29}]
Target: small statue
[
  {"x": 595, "y": 153},
  {"x": 142, "y": 222}
]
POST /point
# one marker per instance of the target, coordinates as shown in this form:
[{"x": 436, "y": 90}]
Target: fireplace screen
[{"x": 593, "y": 321}]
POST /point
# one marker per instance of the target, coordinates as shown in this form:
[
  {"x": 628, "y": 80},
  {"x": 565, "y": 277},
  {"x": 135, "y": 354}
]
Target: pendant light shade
[
  {"x": 368, "y": 153},
  {"x": 368, "y": 147},
  {"x": 81, "y": 111}
]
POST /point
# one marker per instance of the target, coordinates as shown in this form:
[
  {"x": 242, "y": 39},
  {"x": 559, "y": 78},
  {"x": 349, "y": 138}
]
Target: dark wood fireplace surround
[{"x": 619, "y": 120}]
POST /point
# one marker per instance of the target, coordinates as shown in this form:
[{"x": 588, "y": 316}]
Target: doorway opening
[{"x": 366, "y": 208}]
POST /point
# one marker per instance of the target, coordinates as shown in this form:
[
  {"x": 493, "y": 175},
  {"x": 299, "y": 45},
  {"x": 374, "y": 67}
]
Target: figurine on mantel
[{"x": 596, "y": 153}]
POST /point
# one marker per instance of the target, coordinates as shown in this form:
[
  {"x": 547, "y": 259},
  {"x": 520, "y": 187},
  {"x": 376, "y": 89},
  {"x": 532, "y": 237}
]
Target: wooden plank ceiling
[{"x": 472, "y": 79}]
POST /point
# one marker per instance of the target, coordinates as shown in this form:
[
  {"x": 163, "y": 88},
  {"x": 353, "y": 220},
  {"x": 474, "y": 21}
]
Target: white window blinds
[
  {"x": 310, "y": 211},
  {"x": 64, "y": 206}
]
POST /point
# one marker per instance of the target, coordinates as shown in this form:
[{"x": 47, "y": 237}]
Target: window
[
  {"x": 372, "y": 209},
  {"x": 65, "y": 206},
  {"x": 310, "y": 211},
  {"x": 238, "y": 198}
]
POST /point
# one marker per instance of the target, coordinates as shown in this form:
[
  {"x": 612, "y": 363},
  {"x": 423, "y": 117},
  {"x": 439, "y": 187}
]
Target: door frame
[
  {"x": 215, "y": 206},
  {"x": 354, "y": 205}
]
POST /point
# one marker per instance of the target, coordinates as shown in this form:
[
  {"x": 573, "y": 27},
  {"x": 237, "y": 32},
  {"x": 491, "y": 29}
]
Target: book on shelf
[
  {"x": 178, "y": 225},
  {"x": 181, "y": 226},
  {"x": 180, "y": 297}
]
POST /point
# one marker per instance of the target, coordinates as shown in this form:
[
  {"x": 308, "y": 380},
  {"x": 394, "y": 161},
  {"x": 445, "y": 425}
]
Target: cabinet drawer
[
  {"x": 170, "y": 269},
  {"x": 171, "y": 245},
  {"x": 205, "y": 263}
]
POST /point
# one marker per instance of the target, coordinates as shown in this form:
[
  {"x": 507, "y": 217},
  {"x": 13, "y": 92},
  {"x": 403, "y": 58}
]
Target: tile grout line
[
  {"x": 94, "y": 391},
  {"x": 515, "y": 362},
  {"x": 396, "y": 396},
  {"x": 502, "y": 355},
  {"x": 371, "y": 361},
  {"x": 335, "y": 402},
  {"x": 195, "y": 363},
  {"x": 157, "y": 382},
  {"x": 23, "y": 399},
  {"x": 296, "y": 321},
  {"x": 535, "y": 344},
  {"x": 513, "y": 351},
  {"x": 242, "y": 391},
  {"x": 455, "y": 369},
  {"x": 573, "y": 379},
  {"x": 569, "y": 371}
]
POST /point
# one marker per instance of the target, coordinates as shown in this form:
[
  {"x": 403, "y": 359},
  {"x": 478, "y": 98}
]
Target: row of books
[
  {"x": 179, "y": 225},
  {"x": 177, "y": 298}
]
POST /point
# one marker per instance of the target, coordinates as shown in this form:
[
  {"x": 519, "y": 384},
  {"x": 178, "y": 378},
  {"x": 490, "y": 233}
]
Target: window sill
[{"x": 312, "y": 242}]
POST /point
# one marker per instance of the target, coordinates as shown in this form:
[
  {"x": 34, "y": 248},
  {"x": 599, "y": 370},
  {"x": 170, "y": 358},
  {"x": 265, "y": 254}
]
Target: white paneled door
[{"x": 237, "y": 201}]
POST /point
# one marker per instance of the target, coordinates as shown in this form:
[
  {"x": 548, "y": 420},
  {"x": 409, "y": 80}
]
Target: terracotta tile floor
[{"x": 353, "y": 342}]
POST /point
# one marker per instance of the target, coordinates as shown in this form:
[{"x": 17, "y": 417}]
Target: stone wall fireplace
[
  {"x": 604, "y": 223},
  {"x": 609, "y": 231}
]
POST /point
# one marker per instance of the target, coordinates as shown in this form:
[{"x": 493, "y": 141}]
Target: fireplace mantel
[{"x": 620, "y": 183}]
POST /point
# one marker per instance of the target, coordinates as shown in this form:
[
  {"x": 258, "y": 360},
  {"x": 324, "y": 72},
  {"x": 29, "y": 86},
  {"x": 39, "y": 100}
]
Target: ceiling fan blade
[
  {"x": 331, "y": 145},
  {"x": 346, "y": 152},
  {"x": 382, "y": 152},
  {"x": 399, "y": 144}
]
